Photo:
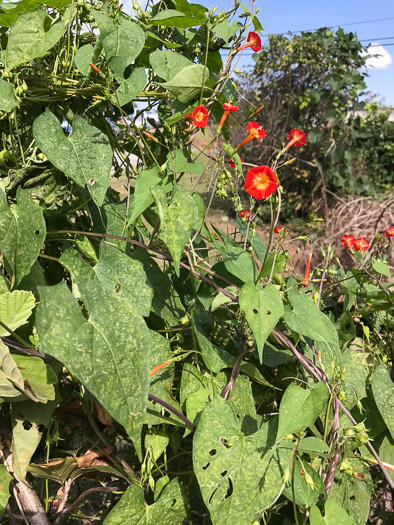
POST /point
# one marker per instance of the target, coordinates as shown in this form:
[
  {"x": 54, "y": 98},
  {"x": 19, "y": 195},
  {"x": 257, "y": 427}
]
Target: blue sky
[{"x": 280, "y": 16}]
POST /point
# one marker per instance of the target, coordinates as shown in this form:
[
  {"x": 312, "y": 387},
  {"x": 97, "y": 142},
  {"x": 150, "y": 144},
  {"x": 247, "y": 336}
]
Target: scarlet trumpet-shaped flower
[
  {"x": 200, "y": 116},
  {"x": 232, "y": 163},
  {"x": 159, "y": 367},
  {"x": 245, "y": 213},
  {"x": 360, "y": 245},
  {"x": 305, "y": 282},
  {"x": 389, "y": 232},
  {"x": 347, "y": 240},
  {"x": 260, "y": 182},
  {"x": 296, "y": 137},
  {"x": 277, "y": 229},
  {"x": 227, "y": 108},
  {"x": 255, "y": 132},
  {"x": 253, "y": 40}
]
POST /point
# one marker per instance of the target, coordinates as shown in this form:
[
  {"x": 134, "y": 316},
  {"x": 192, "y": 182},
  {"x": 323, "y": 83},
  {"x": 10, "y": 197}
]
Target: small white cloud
[{"x": 382, "y": 60}]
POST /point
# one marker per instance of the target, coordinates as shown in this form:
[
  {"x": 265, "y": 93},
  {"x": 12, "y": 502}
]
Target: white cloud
[{"x": 383, "y": 59}]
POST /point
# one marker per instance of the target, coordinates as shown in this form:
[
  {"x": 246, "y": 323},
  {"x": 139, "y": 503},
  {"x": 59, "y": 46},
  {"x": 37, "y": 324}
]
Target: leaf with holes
[
  {"x": 178, "y": 220},
  {"x": 29, "y": 420},
  {"x": 300, "y": 408},
  {"x": 239, "y": 474},
  {"x": 383, "y": 393},
  {"x": 263, "y": 309},
  {"x": 15, "y": 309},
  {"x": 85, "y": 156},
  {"x": 170, "y": 508},
  {"x": 94, "y": 349},
  {"x": 22, "y": 233}
]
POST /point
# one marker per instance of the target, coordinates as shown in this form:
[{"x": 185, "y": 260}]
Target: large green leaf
[
  {"x": 15, "y": 309},
  {"x": 122, "y": 42},
  {"x": 116, "y": 273},
  {"x": 263, "y": 309},
  {"x": 31, "y": 36},
  {"x": 8, "y": 101},
  {"x": 168, "y": 64},
  {"x": 85, "y": 156},
  {"x": 11, "y": 10},
  {"x": 239, "y": 475},
  {"x": 187, "y": 84},
  {"x": 26, "y": 437},
  {"x": 383, "y": 393},
  {"x": 109, "y": 352},
  {"x": 171, "y": 507},
  {"x": 22, "y": 233},
  {"x": 130, "y": 87},
  {"x": 300, "y": 408},
  {"x": 178, "y": 220},
  {"x": 334, "y": 515},
  {"x": 304, "y": 318},
  {"x": 5, "y": 480},
  {"x": 237, "y": 261}
]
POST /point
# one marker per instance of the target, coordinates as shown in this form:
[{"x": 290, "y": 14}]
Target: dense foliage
[
  {"x": 316, "y": 81},
  {"x": 155, "y": 369}
]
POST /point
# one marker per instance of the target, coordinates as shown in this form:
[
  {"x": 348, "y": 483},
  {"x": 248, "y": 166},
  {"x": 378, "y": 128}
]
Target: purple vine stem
[{"x": 169, "y": 407}]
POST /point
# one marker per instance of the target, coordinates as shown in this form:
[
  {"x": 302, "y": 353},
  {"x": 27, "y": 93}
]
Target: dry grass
[{"x": 361, "y": 217}]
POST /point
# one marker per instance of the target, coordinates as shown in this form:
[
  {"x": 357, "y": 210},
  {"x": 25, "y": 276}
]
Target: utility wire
[{"x": 344, "y": 25}]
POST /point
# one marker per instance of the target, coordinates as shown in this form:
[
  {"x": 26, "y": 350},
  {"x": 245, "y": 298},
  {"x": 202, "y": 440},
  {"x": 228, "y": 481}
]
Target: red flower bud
[
  {"x": 95, "y": 68},
  {"x": 390, "y": 232},
  {"x": 245, "y": 213},
  {"x": 278, "y": 229}
]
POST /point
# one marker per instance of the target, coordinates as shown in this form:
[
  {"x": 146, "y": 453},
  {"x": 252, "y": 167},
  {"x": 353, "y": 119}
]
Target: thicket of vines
[{"x": 155, "y": 369}]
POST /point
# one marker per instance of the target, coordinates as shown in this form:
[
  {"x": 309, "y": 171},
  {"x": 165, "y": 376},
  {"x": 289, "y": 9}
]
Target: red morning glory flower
[
  {"x": 254, "y": 41},
  {"x": 360, "y": 245},
  {"x": 260, "y": 182},
  {"x": 227, "y": 108},
  {"x": 200, "y": 116},
  {"x": 347, "y": 240},
  {"x": 296, "y": 137},
  {"x": 255, "y": 132}
]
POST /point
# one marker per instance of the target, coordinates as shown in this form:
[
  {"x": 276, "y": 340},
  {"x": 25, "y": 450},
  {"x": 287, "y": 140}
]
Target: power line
[{"x": 343, "y": 25}]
